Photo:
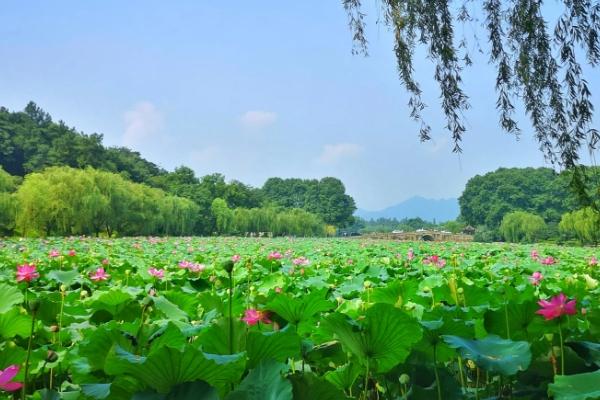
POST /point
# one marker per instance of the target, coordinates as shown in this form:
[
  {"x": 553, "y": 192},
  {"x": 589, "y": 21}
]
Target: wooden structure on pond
[{"x": 422, "y": 235}]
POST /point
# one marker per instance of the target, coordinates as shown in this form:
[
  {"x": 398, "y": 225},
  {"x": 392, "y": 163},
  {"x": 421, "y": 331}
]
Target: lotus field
[{"x": 307, "y": 319}]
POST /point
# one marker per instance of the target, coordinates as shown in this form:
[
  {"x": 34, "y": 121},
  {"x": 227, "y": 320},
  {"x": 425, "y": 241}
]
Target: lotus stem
[{"x": 562, "y": 349}]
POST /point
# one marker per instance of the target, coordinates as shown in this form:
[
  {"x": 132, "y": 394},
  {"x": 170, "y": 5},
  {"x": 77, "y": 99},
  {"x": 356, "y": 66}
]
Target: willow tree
[{"x": 538, "y": 61}]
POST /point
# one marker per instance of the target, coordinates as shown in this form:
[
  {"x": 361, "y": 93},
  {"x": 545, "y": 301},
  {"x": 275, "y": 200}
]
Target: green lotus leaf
[
  {"x": 383, "y": 340},
  {"x": 308, "y": 386},
  {"x": 265, "y": 382},
  {"x": 9, "y": 297},
  {"x": 584, "y": 386},
  {"x": 277, "y": 345},
  {"x": 493, "y": 353}
]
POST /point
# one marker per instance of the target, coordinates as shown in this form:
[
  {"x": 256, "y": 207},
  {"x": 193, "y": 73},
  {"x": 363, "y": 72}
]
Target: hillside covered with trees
[
  {"x": 530, "y": 204},
  {"x": 42, "y": 159}
]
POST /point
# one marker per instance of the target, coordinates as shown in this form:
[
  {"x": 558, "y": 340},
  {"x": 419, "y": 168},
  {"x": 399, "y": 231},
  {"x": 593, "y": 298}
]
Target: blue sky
[{"x": 251, "y": 90}]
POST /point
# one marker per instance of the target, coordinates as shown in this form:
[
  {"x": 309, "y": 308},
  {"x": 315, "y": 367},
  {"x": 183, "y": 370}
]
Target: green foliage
[
  {"x": 584, "y": 386},
  {"x": 494, "y": 354},
  {"x": 520, "y": 226},
  {"x": 67, "y": 201},
  {"x": 326, "y": 198},
  {"x": 486, "y": 199},
  {"x": 583, "y": 224}
]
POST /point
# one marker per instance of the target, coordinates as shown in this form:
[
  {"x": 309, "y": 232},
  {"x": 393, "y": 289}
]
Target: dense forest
[
  {"x": 32, "y": 146},
  {"x": 530, "y": 204}
]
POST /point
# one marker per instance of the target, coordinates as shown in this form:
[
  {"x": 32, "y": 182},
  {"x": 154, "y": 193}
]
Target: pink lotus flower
[
  {"x": 435, "y": 261},
  {"x": 194, "y": 267},
  {"x": 184, "y": 264},
  {"x": 593, "y": 261},
  {"x": 6, "y": 376},
  {"x": 235, "y": 258},
  {"x": 410, "y": 255},
  {"x": 300, "y": 261},
  {"x": 274, "y": 255},
  {"x": 534, "y": 255},
  {"x": 99, "y": 275},
  {"x": 54, "y": 253},
  {"x": 535, "y": 278},
  {"x": 253, "y": 316},
  {"x": 105, "y": 261},
  {"x": 72, "y": 253},
  {"x": 556, "y": 307},
  {"x": 157, "y": 273},
  {"x": 278, "y": 289},
  {"x": 548, "y": 260},
  {"x": 27, "y": 273}
]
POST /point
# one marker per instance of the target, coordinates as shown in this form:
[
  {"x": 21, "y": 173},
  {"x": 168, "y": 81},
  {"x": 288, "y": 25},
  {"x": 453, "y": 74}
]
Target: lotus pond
[{"x": 314, "y": 319}]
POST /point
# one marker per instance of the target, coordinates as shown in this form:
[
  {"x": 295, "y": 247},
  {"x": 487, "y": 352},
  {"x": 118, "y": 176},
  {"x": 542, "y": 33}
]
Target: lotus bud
[
  {"x": 83, "y": 294},
  {"x": 127, "y": 272},
  {"x": 54, "y": 328},
  {"x": 460, "y": 290},
  {"x": 51, "y": 356},
  {"x": 426, "y": 289},
  {"x": 63, "y": 288},
  {"x": 367, "y": 284},
  {"x": 404, "y": 379},
  {"x": 228, "y": 266},
  {"x": 471, "y": 364},
  {"x": 34, "y": 305},
  {"x": 590, "y": 282}
]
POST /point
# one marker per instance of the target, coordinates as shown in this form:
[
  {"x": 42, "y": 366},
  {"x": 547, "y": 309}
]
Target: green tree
[
  {"x": 584, "y": 224},
  {"x": 519, "y": 226}
]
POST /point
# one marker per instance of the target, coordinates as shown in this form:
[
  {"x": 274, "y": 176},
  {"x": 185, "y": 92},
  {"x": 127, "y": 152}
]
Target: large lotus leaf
[
  {"x": 278, "y": 345},
  {"x": 215, "y": 338},
  {"x": 13, "y": 323},
  {"x": 493, "y": 353},
  {"x": 97, "y": 344},
  {"x": 265, "y": 382},
  {"x": 185, "y": 301},
  {"x": 9, "y": 297},
  {"x": 445, "y": 324},
  {"x": 168, "y": 367},
  {"x": 96, "y": 390},
  {"x": 198, "y": 390},
  {"x": 169, "y": 309},
  {"x": 65, "y": 277},
  {"x": 344, "y": 377},
  {"x": 396, "y": 293},
  {"x": 308, "y": 386},
  {"x": 114, "y": 301},
  {"x": 519, "y": 317},
  {"x": 576, "y": 387},
  {"x": 589, "y": 351},
  {"x": 384, "y": 339},
  {"x": 300, "y": 310},
  {"x": 168, "y": 335}
]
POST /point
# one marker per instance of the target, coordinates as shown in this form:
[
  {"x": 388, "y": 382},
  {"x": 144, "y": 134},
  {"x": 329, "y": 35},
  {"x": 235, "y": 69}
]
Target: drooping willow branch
[{"x": 536, "y": 64}]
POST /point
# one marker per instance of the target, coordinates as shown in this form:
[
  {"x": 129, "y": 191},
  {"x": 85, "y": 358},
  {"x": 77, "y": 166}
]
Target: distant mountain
[{"x": 428, "y": 209}]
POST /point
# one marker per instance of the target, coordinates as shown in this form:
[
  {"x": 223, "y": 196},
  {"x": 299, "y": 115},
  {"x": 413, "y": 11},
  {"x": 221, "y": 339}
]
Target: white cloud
[
  {"x": 333, "y": 153},
  {"x": 141, "y": 122},
  {"x": 258, "y": 119}
]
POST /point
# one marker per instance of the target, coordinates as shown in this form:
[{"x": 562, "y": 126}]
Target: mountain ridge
[{"x": 440, "y": 210}]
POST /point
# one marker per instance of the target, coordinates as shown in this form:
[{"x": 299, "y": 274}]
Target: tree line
[
  {"x": 32, "y": 143},
  {"x": 531, "y": 204}
]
